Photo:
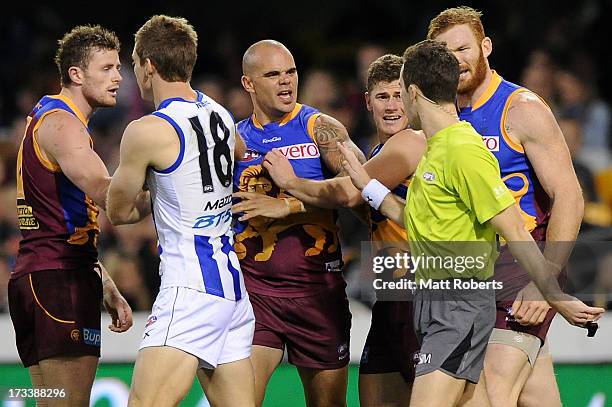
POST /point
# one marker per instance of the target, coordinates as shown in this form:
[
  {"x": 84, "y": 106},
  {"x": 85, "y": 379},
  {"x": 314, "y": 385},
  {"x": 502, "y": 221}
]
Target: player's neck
[
  {"x": 267, "y": 117},
  {"x": 79, "y": 100},
  {"x": 163, "y": 90},
  {"x": 437, "y": 117},
  {"x": 470, "y": 98}
]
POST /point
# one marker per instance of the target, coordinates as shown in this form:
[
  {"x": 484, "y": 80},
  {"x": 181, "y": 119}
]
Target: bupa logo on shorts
[
  {"x": 429, "y": 176},
  {"x": 92, "y": 337},
  {"x": 150, "y": 321},
  {"x": 300, "y": 151},
  {"x": 332, "y": 266},
  {"x": 492, "y": 142},
  {"x": 422, "y": 358}
]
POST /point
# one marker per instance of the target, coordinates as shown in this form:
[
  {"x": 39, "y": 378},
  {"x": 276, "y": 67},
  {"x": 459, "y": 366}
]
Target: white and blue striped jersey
[{"x": 192, "y": 200}]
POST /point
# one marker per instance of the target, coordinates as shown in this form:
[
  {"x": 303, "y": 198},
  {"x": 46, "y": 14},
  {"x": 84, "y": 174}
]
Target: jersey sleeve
[{"x": 474, "y": 174}]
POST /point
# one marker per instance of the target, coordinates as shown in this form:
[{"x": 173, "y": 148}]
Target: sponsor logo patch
[
  {"x": 422, "y": 358},
  {"x": 250, "y": 155},
  {"x": 271, "y": 140},
  {"x": 492, "y": 142},
  {"x": 92, "y": 337},
  {"x": 333, "y": 266},
  {"x": 152, "y": 319},
  {"x": 300, "y": 151},
  {"x": 429, "y": 176}
]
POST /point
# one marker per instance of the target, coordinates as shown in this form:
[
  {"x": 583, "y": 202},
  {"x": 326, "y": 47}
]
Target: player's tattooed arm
[{"x": 327, "y": 133}]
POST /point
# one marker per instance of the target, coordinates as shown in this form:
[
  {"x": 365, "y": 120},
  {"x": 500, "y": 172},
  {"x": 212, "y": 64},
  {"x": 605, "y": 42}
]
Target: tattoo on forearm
[{"x": 327, "y": 137}]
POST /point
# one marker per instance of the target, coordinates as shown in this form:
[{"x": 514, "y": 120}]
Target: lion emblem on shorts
[
  {"x": 255, "y": 179},
  {"x": 75, "y": 335}
]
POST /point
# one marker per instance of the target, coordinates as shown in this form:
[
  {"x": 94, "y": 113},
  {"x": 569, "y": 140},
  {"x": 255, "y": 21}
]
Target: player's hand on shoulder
[{"x": 279, "y": 168}]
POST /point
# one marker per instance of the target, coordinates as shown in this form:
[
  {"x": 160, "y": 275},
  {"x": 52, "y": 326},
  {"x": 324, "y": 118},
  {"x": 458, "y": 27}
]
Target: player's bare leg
[
  {"x": 264, "y": 360},
  {"x": 38, "y": 383},
  {"x": 73, "y": 374},
  {"x": 436, "y": 389},
  {"x": 506, "y": 370},
  {"x": 324, "y": 387},
  {"x": 384, "y": 390},
  {"x": 475, "y": 395},
  {"x": 230, "y": 384},
  {"x": 541, "y": 389},
  {"x": 162, "y": 376}
]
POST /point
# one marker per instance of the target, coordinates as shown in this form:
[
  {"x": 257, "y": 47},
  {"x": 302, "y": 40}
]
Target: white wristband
[{"x": 374, "y": 193}]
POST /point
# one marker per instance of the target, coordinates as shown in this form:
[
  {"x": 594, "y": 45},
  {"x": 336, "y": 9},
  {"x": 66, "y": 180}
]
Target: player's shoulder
[
  {"x": 407, "y": 141},
  {"x": 149, "y": 130},
  {"x": 526, "y": 101},
  {"x": 61, "y": 120},
  {"x": 61, "y": 128},
  {"x": 408, "y": 136}
]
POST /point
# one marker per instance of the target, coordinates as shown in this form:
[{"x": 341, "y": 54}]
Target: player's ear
[
  {"x": 247, "y": 83},
  {"x": 367, "y": 100},
  {"x": 149, "y": 68},
  {"x": 487, "y": 46},
  {"x": 76, "y": 74},
  {"x": 413, "y": 91}
]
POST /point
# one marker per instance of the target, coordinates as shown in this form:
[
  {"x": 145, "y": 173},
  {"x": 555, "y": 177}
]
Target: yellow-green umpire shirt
[{"x": 456, "y": 189}]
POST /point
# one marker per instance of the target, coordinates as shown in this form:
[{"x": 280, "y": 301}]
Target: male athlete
[
  {"x": 456, "y": 195},
  {"x": 386, "y": 371},
  {"x": 292, "y": 266},
  {"x": 522, "y": 133},
  {"x": 202, "y": 322},
  {"x": 57, "y": 284}
]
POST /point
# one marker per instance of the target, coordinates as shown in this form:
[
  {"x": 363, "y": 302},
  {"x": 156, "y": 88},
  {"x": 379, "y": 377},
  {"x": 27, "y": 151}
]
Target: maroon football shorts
[
  {"x": 503, "y": 319},
  {"x": 56, "y": 313},
  {"x": 314, "y": 329},
  {"x": 391, "y": 344}
]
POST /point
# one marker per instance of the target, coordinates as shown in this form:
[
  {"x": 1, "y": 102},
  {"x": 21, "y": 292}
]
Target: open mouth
[
  {"x": 113, "y": 91},
  {"x": 285, "y": 95},
  {"x": 463, "y": 73},
  {"x": 391, "y": 118}
]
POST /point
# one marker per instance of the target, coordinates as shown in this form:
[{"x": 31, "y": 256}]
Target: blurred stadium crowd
[{"x": 556, "y": 57}]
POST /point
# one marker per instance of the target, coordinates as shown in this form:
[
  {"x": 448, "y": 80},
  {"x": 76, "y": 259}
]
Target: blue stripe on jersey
[
  {"x": 208, "y": 266},
  {"x": 227, "y": 248},
  {"x": 179, "y": 131},
  {"x": 73, "y": 203}
]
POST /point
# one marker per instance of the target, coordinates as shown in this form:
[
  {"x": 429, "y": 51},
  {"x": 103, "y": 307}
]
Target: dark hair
[
  {"x": 76, "y": 46},
  {"x": 170, "y": 43},
  {"x": 386, "y": 68},
  {"x": 433, "y": 68}
]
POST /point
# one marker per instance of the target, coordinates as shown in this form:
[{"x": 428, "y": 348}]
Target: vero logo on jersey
[
  {"x": 300, "y": 151},
  {"x": 492, "y": 142}
]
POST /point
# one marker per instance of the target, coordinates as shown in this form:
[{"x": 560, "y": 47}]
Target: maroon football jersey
[{"x": 58, "y": 222}]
